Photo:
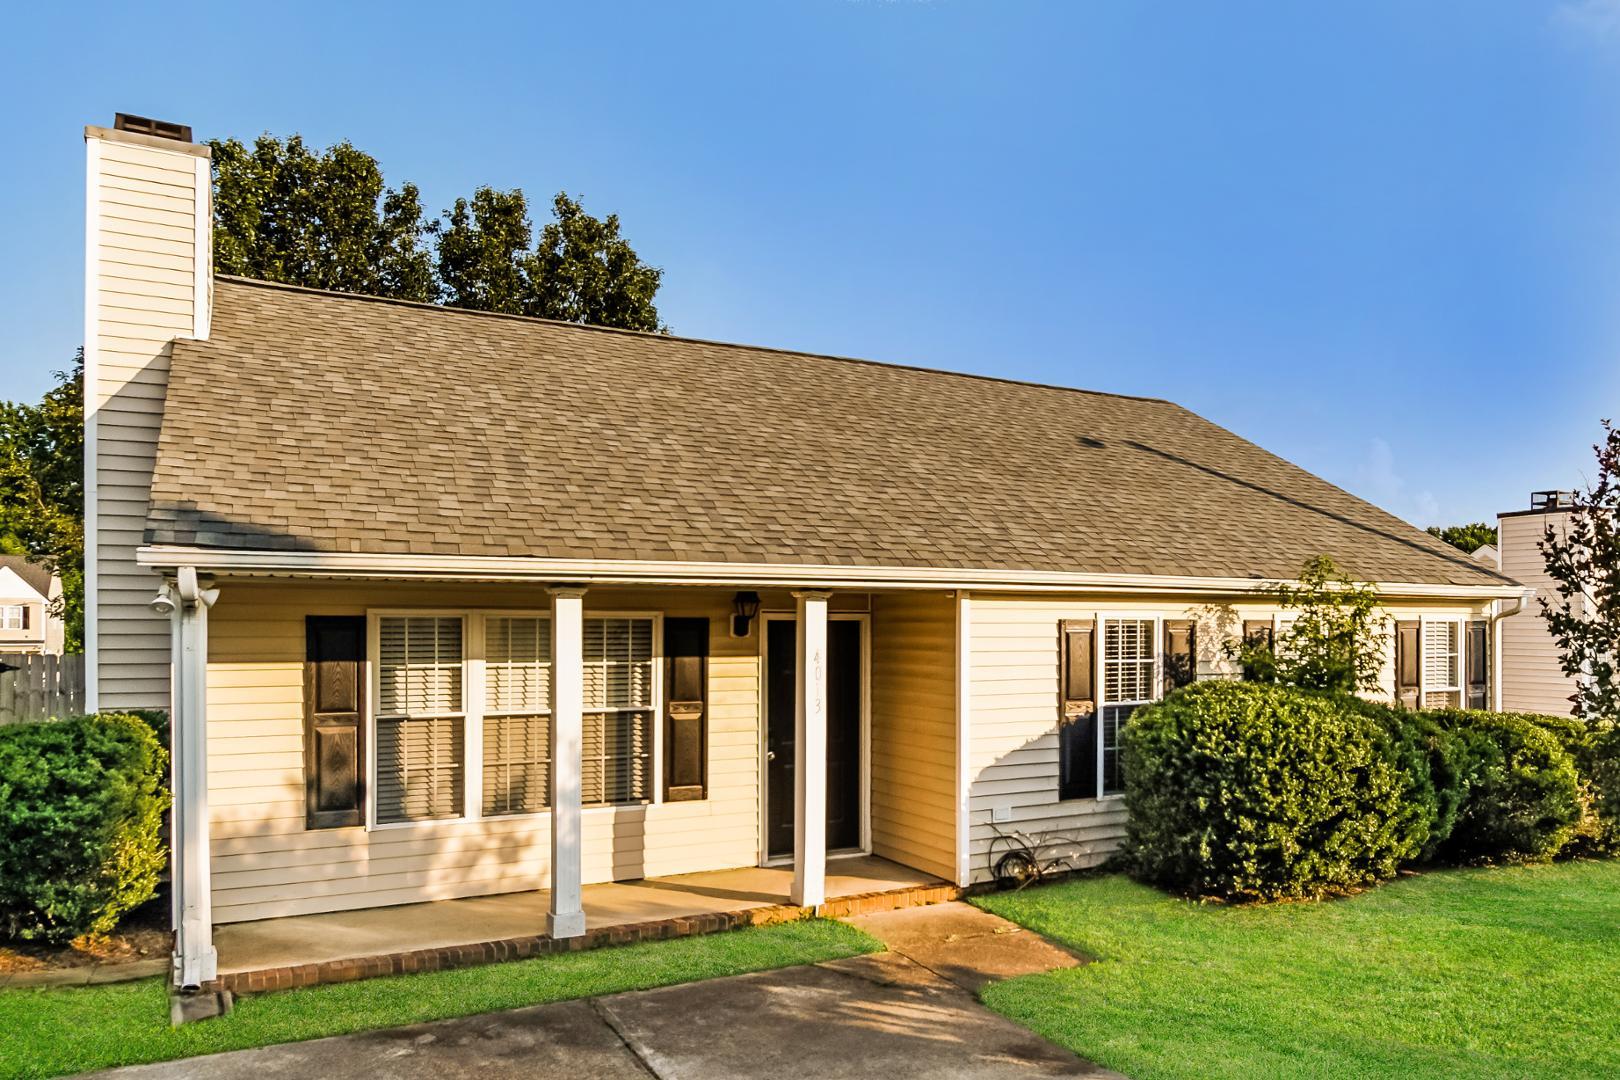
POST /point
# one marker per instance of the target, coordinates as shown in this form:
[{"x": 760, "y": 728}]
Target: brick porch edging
[{"x": 521, "y": 948}]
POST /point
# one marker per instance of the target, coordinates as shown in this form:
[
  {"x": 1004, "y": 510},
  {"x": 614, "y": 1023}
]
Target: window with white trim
[
  {"x": 1442, "y": 665},
  {"x": 13, "y": 617},
  {"x": 421, "y": 718},
  {"x": 1130, "y": 677},
  {"x": 619, "y": 711},
  {"x": 517, "y": 715}
]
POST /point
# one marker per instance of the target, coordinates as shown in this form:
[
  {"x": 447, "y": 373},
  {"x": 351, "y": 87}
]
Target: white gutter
[
  {"x": 1500, "y": 610},
  {"x": 339, "y": 564}
]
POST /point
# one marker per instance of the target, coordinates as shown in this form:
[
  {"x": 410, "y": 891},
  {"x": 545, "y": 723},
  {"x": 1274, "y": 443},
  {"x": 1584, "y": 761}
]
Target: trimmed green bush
[
  {"x": 1440, "y": 766},
  {"x": 1596, "y": 753},
  {"x": 81, "y": 806},
  {"x": 1248, "y": 791},
  {"x": 1524, "y": 798}
]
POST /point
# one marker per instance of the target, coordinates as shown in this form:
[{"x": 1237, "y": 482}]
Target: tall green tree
[
  {"x": 1469, "y": 538},
  {"x": 483, "y": 252},
  {"x": 286, "y": 213},
  {"x": 325, "y": 218},
  {"x": 581, "y": 271},
  {"x": 1584, "y": 562},
  {"x": 42, "y": 488}
]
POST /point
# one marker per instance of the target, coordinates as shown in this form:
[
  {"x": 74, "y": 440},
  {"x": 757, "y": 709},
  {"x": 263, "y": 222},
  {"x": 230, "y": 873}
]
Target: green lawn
[
  {"x": 56, "y": 1031},
  {"x": 1511, "y": 972}
]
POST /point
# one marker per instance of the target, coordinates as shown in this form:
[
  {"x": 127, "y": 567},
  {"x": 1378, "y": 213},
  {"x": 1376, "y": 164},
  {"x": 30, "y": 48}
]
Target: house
[
  {"x": 29, "y": 619},
  {"x": 449, "y": 604},
  {"x": 1533, "y": 678}
]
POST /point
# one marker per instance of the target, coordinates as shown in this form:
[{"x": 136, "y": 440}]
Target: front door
[{"x": 844, "y": 760}]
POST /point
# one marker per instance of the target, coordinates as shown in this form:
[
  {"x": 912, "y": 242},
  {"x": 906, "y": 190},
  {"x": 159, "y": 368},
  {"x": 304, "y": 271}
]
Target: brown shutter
[
  {"x": 686, "y": 651},
  {"x": 334, "y": 704},
  {"x": 1258, "y": 630},
  {"x": 1479, "y": 665},
  {"x": 1077, "y": 713},
  {"x": 27, "y": 610},
  {"x": 1180, "y": 654},
  {"x": 1408, "y": 656}
]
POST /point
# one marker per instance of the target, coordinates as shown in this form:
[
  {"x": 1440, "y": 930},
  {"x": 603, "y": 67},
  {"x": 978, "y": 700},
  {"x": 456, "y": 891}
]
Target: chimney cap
[
  {"x": 145, "y": 125},
  {"x": 1547, "y": 501}
]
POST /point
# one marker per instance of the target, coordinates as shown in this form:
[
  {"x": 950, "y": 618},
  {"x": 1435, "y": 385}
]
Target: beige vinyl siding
[
  {"x": 1013, "y": 673},
  {"x": 1532, "y": 680},
  {"x": 914, "y": 731},
  {"x": 140, "y": 296},
  {"x": 266, "y": 863}
]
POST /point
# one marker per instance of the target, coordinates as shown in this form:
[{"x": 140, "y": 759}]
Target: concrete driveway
[{"x": 884, "y": 1015}]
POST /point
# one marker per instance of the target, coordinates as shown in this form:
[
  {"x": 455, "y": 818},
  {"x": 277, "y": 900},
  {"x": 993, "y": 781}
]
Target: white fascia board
[{"x": 323, "y": 564}]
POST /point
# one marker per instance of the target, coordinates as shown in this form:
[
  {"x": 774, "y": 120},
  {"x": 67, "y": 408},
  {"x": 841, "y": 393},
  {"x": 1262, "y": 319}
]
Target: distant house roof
[
  {"x": 336, "y": 423},
  {"x": 35, "y": 576}
]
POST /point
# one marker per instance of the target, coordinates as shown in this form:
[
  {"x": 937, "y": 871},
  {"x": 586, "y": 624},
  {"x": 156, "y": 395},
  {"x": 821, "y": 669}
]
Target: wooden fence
[{"x": 39, "y": 687}]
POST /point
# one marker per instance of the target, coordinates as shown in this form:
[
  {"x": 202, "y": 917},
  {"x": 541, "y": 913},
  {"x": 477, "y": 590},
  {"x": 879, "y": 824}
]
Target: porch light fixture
[{"x": 744, "y": 606}]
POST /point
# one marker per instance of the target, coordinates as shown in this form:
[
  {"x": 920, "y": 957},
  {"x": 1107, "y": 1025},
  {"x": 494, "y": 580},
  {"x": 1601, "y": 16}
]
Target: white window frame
[
  {"x": 1157, "y": 684},
  {"x": 471, "y": 783},
  {"x": 12, "y": 616},
  {"x": 473, "y": 704},
  {"x": 655, "y": 778},
  {"x": 1459, "y": 631}
]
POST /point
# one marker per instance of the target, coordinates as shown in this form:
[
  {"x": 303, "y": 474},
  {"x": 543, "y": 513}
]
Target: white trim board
[{"x": 243, "y": 562}]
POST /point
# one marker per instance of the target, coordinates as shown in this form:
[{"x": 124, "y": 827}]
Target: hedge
[
  {"x": 1252, "y": 791},
  {"x": 81, "y": 809}
]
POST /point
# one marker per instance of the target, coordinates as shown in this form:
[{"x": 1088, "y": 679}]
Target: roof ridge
[{"x": 565, "y": 325}]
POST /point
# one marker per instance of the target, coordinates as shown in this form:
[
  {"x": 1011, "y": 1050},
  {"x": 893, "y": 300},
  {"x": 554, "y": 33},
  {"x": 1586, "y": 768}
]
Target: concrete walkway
[
  {"x": 872, "y": 1016},
  {"x": 964, "y": 944},
  {"x": 907, "y": 1013}
]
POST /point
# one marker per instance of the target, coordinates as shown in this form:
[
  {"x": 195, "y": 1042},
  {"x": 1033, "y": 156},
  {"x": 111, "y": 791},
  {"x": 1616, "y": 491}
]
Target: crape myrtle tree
[
  {"x": 1336, "y": 640},
  {"x": 1584, "y": 563},
  {"x": 325, "y": 219}
]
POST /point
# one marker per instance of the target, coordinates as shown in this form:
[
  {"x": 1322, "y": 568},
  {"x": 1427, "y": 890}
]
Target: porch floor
[{"x": 316, "y": 939}]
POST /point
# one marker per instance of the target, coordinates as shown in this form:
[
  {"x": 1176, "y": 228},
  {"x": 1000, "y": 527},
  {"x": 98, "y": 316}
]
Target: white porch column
[
  {"x": 566, "y": 917},
  {"x": 195, "y": 962},
  {"x": 810, "y": 746}
]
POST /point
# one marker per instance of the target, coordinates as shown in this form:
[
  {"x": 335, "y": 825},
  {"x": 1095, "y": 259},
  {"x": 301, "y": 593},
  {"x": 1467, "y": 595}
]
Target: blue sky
[{"x": 1382, "y": 241}]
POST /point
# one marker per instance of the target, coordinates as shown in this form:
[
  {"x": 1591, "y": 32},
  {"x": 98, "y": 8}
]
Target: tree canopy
[
  {"x": 42, "y": 488},
  {"x": 327, "y": 220},
  {"x": 1469, "y": 538}
]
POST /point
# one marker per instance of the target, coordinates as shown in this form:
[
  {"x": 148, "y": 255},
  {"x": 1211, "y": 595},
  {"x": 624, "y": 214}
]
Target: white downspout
[{"x": 1502, "y": 609}]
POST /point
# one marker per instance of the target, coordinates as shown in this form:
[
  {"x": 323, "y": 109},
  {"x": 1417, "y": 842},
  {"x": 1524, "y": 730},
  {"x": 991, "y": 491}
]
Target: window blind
[
  {"x": 618, "y": 710},
  {"x": 421, "y": 749},
  {"x": 1129, "y": 654},
  {"x": 1442, "y": 676},
  {"x": 517, "y": 720}
]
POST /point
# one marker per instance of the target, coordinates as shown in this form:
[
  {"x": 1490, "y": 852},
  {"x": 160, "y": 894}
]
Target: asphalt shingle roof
[
  {"x": 328, "y": 422},
  {"x": 33, "y": 575}
]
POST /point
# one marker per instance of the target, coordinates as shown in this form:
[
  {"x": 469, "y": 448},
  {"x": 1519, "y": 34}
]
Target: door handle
[{"x": 770, "y": 755}]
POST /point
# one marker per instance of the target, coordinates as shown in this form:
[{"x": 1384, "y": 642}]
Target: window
[
  {"x": 13, "y": 617},
  {"x": 1442, "y": 665},
  {"x": 517, "y": 715},
  {"x": 1129, "y": 678},
  {"x": 421, "y": 737},
  {"x": 618, "y": 711}
]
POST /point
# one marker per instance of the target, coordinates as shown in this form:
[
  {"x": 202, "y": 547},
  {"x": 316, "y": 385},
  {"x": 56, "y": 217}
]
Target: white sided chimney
[{"x": 148, "y": 280}]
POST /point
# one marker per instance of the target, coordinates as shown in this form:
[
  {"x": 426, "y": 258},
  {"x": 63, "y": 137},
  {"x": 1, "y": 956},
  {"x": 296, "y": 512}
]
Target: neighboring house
[
  {"x": 30, "y": 621},
  {"x": 1533, "y": 678},
  {"x": 476, "y": 603},
  {"x": 1487, "y": 554}
]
